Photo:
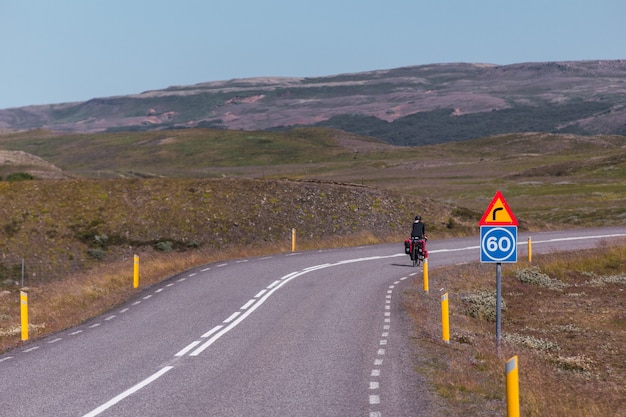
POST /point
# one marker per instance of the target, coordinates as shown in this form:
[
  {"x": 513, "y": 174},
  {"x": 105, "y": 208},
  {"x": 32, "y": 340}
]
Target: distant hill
[{"x": 404, "y": 106}]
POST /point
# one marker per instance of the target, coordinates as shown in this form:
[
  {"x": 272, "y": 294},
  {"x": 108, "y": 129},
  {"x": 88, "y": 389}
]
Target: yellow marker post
[
  {"x": 136, "y": 272},
  {"x": 24, "y": 312},
  {"x": 445, "y": 320},
  {"x": 512, "y": 387},
  {"x": 293, "y": 240},
  {"x": 426, "y": 275},
  {"x": 530, "y": 250}
]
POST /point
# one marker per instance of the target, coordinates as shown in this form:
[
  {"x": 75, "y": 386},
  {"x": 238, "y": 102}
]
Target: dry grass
[{"x": 570, "y": 336}]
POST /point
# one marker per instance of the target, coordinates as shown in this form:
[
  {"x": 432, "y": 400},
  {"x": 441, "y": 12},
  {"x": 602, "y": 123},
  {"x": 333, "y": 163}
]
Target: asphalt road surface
[{"x": 319, "y": 333}]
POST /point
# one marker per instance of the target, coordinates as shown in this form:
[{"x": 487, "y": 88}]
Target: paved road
[{"x": 306, "y": 334}]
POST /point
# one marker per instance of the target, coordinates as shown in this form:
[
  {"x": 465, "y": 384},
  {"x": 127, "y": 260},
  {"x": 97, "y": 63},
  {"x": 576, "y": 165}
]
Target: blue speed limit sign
[{"x": 498, "y": 244}]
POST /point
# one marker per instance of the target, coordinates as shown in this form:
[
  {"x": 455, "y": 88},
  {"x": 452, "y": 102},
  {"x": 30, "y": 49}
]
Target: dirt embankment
[{"x": 69, "y": 225}]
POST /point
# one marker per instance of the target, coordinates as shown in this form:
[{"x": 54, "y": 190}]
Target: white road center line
[{"x": 128, "y": 392}]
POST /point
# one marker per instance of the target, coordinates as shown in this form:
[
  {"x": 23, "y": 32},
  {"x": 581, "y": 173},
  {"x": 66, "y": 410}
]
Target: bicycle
[{"x": 415, "y": 248}]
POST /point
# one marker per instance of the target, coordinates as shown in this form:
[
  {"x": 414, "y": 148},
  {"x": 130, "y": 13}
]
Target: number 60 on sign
[{"x": 498, "y": 244}]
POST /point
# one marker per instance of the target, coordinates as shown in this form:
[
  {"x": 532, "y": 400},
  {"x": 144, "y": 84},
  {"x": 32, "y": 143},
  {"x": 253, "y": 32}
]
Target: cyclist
[{"x": 418, "y": 235}]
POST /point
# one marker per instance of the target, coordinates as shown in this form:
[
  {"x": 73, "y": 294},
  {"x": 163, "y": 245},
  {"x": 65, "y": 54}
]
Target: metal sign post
[{"x": 498, "y": 244}]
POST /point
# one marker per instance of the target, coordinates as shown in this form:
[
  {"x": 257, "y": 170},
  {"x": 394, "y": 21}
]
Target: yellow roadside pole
[
  {"x": 24, "y": 313},
  {"x": 293, "y": 240},
  {"x": 512, "y": 387},
  {"x": 530, "y": 250},
  {"x": 136, "y": 272},
  {"x": 426, "y": 275},
  {"x": 445, "y": 319}
]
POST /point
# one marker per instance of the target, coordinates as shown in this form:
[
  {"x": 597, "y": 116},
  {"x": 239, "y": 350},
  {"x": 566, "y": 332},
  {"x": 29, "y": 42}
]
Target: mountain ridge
[{"x": 403, "y": 106}]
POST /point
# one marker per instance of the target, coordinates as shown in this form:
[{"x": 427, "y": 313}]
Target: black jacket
[{"x": 419, "y": 230}]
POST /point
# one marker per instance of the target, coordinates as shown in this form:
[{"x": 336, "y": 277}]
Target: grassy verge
[{"x": 564, "y": 316}]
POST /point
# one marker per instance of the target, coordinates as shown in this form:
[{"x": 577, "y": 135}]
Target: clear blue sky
[{"x": 54, "y": 51}]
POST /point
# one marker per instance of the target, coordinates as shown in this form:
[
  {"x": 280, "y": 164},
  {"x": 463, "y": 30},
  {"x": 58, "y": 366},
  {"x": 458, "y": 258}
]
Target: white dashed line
[
  {"x": 248, "y": 304},
  {"x": 31, "y": 349},
  {"x": 374, "y": 400},
  {"x": 58, "y": 339},
  {"x": 232, "y": 317},
  {"x": 213, "y": 330},
  {"x": 273, "y": 284},
  {"x": 186, "y": 349}
]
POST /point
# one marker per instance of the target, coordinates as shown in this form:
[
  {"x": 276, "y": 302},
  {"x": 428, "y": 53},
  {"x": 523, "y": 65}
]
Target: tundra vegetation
[{"x": 78, "y": 206}]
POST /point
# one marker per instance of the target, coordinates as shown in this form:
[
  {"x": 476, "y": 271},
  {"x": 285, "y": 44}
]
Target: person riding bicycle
[{"x": 418, "y": 234}]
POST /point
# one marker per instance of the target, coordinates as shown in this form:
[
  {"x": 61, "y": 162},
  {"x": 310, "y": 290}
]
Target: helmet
[{"x": 418, "y": 217}]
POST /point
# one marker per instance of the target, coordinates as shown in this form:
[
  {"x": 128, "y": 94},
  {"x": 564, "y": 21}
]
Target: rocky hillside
[
  {"x": 403, "y": 106},
  {"x": 61, "y": 226}
]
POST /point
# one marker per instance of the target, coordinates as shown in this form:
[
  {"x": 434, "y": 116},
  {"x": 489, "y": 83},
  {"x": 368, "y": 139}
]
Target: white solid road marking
[{"x": 128, "y": 392}]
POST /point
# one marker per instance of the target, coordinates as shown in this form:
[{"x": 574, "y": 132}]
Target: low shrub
[
  {"x": 165, "y": 246},
  {"x": 535, "y": 277},
  {"x": 482, "y": 305}
]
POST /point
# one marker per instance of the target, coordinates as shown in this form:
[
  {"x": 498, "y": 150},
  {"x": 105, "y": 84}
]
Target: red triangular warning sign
[{"x": 498, "y": 213}]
